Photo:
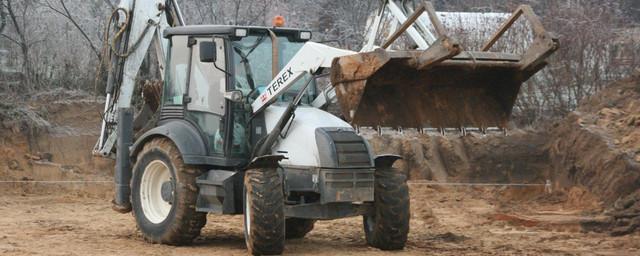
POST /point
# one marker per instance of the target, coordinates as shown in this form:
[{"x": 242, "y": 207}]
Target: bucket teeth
[{"x": 448, "y": 131}]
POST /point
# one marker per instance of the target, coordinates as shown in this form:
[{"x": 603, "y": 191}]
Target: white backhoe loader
[{"x": 239, "y": 127}]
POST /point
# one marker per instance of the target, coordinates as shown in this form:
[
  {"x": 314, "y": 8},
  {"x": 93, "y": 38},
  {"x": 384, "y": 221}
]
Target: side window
[
  {"x": 176, "y": 81},
  {"x": 207, "y": 84}
]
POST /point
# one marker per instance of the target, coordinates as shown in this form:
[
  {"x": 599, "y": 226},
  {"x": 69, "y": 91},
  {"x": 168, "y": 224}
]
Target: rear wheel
[
  {"x": 164, "y": 194},
  {"x": 387, "y": 228},
  {"x": 264, "y": 224},
  {"x": 298, "y": 228}
]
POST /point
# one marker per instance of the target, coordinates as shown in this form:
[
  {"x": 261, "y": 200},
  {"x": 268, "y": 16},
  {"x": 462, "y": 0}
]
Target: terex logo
[{"x": 277, "y": 84}]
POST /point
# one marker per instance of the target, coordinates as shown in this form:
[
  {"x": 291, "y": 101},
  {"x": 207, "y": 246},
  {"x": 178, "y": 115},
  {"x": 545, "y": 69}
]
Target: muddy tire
[
  {"x": 164, "y": 193},
  {"x": 387, "y": 228},
  {"x": 264, "y": 222},
  {"x": 297, "y": 228}
]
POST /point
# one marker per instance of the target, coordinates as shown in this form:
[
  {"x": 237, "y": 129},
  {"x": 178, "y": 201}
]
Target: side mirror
[{"x": 208, "y": 52}]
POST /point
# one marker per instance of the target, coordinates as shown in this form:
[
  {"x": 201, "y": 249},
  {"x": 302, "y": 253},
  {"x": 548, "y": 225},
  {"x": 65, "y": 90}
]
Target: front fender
[
  {"x": 265, "y": 162},
  {"x": 183, "y": 134},
  {"x": 385, "y": 161}
]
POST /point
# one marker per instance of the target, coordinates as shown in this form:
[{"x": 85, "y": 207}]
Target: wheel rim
[
  {"x": 369, "y": 223},
  {"x": 247, "y": 215},
  {"x": 154, "y": 206}
]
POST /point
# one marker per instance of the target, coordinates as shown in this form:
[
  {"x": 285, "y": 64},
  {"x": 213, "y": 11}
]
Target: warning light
[{"x": 278, "y": 21}]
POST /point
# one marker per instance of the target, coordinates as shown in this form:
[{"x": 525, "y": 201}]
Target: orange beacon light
[{"x": 278, "y": 21}]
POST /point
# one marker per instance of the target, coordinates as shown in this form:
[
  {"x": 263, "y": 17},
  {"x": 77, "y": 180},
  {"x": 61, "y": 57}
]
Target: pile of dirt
[
  {"x": 597, "y": 148},
  {"x": 592, "y": 156},
  {"x": 519, "y": 157}
]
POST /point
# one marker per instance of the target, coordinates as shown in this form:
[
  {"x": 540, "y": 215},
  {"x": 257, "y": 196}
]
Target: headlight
[
  {"x": 305, "y": 35},
  {"x": 241, "y": 32},
  {"x": 234, "y": 95}
]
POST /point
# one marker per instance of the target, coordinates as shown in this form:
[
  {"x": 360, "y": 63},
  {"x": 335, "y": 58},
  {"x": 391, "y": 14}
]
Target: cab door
[{"x": 206, "y": 105}]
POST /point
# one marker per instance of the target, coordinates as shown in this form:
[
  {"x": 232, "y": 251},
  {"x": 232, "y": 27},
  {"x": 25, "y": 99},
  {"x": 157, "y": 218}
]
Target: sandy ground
[{"x": 444, "y": 222}]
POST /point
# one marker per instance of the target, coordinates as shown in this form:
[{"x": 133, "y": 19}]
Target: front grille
[
  {"x": 346, "y": 185},
  {"x": 172, "y": 112},
  {"x": 351, "y": 150}
]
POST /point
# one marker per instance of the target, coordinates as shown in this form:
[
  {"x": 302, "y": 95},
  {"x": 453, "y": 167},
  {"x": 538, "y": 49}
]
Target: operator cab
[{"x": 213, "y": 74}]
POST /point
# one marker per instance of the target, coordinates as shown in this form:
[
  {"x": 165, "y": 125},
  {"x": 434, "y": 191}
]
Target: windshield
[{"x": 252, "y": 58}]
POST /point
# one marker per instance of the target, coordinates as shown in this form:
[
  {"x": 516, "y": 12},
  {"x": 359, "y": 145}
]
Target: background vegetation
[{"x": 56, "y": 44}]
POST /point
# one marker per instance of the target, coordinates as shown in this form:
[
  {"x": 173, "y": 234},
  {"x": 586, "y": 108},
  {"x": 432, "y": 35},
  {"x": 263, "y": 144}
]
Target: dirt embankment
[
  {"x": 598, "y": 147},
  {"x": 592, "y": 157},
  {"x": 519, "y": 157},
  {"x": 50, "y": 139}
]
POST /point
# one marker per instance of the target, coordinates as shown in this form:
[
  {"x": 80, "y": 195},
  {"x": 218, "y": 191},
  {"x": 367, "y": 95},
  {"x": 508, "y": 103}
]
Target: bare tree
[
  {"x": 231, "y": 12},
  {"x": 20, "y": 21},
  {"x": 64, "y": 11},
  {"x": 345, "y": 21},
  {"x": 110, "y": 4},
  {"x": 585, "y": 63},
  {"x": 3, "y": 16},
  {"x": 590, "y": 56}
]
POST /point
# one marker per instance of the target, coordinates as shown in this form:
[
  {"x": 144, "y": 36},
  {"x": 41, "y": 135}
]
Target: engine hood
[{"x": 299, "y": 145}]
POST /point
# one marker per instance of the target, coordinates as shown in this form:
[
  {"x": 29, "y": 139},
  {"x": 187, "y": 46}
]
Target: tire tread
[
  {"x": 267, "y": 212},
  {"x": 392, "y": 211},
  {"x": 187, "y": 222}
]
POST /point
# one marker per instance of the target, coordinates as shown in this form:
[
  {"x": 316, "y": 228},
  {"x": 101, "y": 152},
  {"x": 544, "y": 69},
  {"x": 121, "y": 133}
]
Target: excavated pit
[
  {"x": 50, "y": 139},
  {"x": 591, "y": 157}
]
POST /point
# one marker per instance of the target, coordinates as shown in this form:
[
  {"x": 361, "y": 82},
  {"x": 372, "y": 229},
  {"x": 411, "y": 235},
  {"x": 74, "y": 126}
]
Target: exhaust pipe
[{"x": 122, "y": 179}]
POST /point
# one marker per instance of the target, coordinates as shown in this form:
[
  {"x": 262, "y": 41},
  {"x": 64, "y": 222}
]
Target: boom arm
[
  {"x": 141, "y": 22},
  {"x": 310, "y": 58},
  {"x": 147, "y": 22},
  {"x": 138, "y": 22}
]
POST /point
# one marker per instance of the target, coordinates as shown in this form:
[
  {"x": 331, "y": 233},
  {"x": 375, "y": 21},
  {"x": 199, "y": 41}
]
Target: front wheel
[
  {"x": 388, "y": 227},
  {"x": 163, "y": 195},
  {"x": 264, "y": 222}
]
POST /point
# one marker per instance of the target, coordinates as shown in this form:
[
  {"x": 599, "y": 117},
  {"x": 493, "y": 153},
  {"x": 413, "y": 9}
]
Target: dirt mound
[
  {"x": 592, "y": 157},
  {"x": 519, "y": 157},
  {"x": 597, "y": 147},
  {"x": 622, "y": 219}
]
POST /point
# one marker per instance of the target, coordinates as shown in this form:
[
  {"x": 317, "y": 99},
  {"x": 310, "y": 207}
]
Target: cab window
[{"x": 176, "y": 77}]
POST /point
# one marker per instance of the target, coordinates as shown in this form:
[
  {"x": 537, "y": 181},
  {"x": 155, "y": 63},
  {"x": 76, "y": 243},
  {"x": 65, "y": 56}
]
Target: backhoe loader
[{"x": 238, "y": 126}]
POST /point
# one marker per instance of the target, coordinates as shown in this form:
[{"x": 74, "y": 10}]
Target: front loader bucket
[
  {"x": 457, "y": 92},
  {"x": 440, "y": 87}
]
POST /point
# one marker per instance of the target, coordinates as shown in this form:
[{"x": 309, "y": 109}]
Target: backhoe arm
[{"x": 136, "y": 23}]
